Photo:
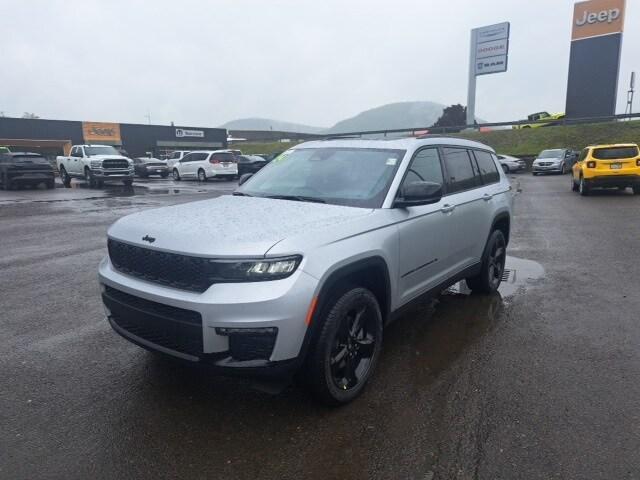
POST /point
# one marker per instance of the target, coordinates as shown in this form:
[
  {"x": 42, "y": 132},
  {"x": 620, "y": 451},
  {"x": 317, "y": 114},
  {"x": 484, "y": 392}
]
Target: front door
[{"x": 423, "y": 232}]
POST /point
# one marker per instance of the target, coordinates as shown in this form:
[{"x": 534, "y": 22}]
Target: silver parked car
[
  {"x": 309, "y": 260},
  {"x": 557, "y": 160}
]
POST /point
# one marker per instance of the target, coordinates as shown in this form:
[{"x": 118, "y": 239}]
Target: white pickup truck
[{"x": 96, "y": 164}]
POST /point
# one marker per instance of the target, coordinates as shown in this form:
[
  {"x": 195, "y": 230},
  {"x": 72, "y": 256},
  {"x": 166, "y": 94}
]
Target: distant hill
[
  {"x": 391, "y": 116},
  {"x": 270, "y": 124},
  {"x": 387, "y": 117}
]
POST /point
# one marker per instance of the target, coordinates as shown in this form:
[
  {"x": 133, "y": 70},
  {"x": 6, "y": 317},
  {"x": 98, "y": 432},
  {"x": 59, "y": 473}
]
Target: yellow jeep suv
[{"x": 607, "y": 166}]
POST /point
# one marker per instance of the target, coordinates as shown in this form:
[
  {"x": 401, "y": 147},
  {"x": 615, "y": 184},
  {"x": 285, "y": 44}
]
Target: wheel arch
[
  {"x": 370, "y": 272},
  {"x": 502, "y": 222}
]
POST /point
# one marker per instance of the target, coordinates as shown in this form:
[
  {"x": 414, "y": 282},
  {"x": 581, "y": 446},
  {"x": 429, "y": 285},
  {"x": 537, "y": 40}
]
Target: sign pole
[{"x": 471, "y": 93}]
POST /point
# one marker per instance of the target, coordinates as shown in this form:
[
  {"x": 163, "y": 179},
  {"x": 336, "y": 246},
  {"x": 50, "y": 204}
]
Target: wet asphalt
[{"x": 540, "y": 381}]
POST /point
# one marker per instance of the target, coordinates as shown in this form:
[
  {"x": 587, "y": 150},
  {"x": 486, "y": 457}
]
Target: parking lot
[{"x": 540, "y": 381}]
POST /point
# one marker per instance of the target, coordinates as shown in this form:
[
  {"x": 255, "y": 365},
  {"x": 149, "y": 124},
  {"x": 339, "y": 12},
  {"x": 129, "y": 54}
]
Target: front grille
[
  {"x": 545, "y": 164},
  {"x": 115, "y": 163},
  {"x": 170, "y": 327},
  {"x": 178, "y": 271}
]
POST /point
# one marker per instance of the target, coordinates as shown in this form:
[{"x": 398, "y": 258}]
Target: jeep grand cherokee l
[{"x": 302, "y": 268}]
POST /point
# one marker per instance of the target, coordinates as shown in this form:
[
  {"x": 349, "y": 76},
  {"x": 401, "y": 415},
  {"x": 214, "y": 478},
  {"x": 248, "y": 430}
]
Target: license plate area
[{"x": 615, "y": 166}]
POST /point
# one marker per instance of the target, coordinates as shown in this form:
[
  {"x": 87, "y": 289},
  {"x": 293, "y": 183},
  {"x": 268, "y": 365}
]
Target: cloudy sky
[{"x": 315, "y": 62}]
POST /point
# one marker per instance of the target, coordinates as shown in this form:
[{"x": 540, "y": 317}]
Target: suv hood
[{"x": 229, "y": 226}]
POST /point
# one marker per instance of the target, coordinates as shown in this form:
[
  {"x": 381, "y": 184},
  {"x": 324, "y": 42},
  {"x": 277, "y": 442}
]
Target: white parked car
[
  {"x": 206, "y": 164},
  {"x": 511, "y": 164},
  {"x": 176, "y": 157}
]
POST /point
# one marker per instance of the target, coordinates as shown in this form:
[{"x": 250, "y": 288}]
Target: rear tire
[
  {"x": 202, "y": 176},
  {"x": 574, "y": 185},
  {"x": 505, "y": 169},
  {"x": 66, "y": 179},
  {"x": 636, "y": 190},
  {"x": 176, "y": 175},
  {"x": 348, "y": 346},
  {"x": 492, "y": 268},
  {"x": 583, "y": 188}
]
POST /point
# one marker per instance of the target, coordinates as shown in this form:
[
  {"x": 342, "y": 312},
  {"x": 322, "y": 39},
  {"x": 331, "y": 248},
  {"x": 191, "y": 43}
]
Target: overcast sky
[{"x": 202, "y": 63}]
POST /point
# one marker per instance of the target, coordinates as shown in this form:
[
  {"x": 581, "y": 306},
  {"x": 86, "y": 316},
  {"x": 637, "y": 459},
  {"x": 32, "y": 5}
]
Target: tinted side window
[
  {"x": 460, "y": 171},
  {"x": 487, "y": 167},
  {"x": 186, "y": 158},
  {"x": 425, "y": 167},
  {"x": 196, "y": 157}
]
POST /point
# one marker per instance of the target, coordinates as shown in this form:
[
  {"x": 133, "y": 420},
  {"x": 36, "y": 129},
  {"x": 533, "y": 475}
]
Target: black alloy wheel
[
  {"x": 347, "y": 348},
  {"x": 492, "y": 267}
]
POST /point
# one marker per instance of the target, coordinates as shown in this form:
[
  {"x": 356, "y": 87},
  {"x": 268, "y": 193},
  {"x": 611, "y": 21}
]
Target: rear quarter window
[
  {"x": 488, "y": 169},
  {"x": 461, "y": 173}
]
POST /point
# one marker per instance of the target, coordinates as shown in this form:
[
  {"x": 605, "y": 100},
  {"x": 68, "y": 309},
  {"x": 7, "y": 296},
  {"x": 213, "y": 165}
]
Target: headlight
[
  {"x": 96, "y": 163},
  {"x": 252, "y": 270}
]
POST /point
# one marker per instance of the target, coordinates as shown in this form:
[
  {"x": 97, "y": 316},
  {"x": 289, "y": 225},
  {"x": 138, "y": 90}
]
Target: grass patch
[{"x": 532, "y": 141}]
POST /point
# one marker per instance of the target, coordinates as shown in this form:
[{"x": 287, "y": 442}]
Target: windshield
[
  {"x": 356, "y": 177},
  {"x": 102, "y": 150},
  {"x": 615, "y": 153},
  {"x": 551, "y": 154}
]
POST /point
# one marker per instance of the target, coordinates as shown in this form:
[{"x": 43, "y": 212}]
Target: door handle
[
  {"x": 446, "y": 208},
  {"x": 486, "y": 197}
]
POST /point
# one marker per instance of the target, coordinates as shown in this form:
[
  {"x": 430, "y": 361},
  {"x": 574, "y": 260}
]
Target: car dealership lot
[{"x": 541, "y": 381}]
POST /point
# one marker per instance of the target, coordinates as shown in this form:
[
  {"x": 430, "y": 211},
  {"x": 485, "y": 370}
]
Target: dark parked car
[
  {"x": 145, "y": 167},
  {"x": 24, "y": 168},
  {"x": 250, "y": 163}
]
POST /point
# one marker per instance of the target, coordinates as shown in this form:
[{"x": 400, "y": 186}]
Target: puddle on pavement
[
  {"x": 519, "y": 273},
  {"x": 123, "y": 191},
  {"x": 429, "y": 337}
]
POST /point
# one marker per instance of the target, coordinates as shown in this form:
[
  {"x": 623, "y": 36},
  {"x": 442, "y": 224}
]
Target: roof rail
[{"x": 340, "y": 137}]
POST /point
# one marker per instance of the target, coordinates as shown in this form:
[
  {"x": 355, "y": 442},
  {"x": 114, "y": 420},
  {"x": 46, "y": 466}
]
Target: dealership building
[{"x": 55, "y": 137}]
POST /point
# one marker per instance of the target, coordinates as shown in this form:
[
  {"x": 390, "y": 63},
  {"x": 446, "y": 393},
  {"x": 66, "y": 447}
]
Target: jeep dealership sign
[
  {"x": 594, "y": 61},
  {"x": 597, "y": 17}
]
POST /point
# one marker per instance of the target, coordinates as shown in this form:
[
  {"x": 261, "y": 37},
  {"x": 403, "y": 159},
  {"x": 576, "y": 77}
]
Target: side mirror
[
  {"x": 419, "y": 193},
  {"x": 244, "y": 178}
]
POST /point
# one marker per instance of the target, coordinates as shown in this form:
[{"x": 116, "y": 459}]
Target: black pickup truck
[{"x": 24, "y": 168}]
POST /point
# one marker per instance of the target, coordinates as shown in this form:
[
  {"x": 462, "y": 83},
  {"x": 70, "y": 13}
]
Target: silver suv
[{"x": 303, "y": 267}]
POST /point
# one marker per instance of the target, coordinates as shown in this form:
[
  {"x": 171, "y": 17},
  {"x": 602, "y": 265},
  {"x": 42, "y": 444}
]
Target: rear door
[
  {"x": 469, "y": 202},
  {"x": 197, "y": 160},
  {"x": 185, "y": 165}
]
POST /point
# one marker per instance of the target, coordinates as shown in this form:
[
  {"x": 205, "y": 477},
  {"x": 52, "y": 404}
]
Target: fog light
[{"x": 246, "y": 331}]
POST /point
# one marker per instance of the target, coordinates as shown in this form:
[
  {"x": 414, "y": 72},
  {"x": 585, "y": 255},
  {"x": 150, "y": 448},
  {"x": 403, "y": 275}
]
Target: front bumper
[
  {"x": 613, "y": 181},
  {"x": 112, "y": 174},
  {"x": 30, "y": 177},
  {"x": 187, "y": 325},
  {"x": 546, "y": 168}
]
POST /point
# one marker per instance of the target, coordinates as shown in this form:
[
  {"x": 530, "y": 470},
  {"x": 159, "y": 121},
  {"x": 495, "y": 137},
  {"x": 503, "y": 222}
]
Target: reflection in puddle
[
  {"x": 519, "y": 273},
  {"x": 115, "y": 190}
]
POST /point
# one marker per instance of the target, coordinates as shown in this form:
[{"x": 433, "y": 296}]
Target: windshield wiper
[
  {"x": 297, "y": 198},
  {"x": 241, "y": 194}
]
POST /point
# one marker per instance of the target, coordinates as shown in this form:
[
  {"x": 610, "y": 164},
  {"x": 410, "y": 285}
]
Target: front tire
[
  {"x": 347, "y": 348},
  {"x": 176, "y": 175},
  {"x": 493, "y": 261},
  {"x": 88, "y": 176},
  {"x": 128, "y": 182},
  {"x": 66, "y": 179},
  {"x": 505, "y": 169},
  {"x": 563, "y": 170}
]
